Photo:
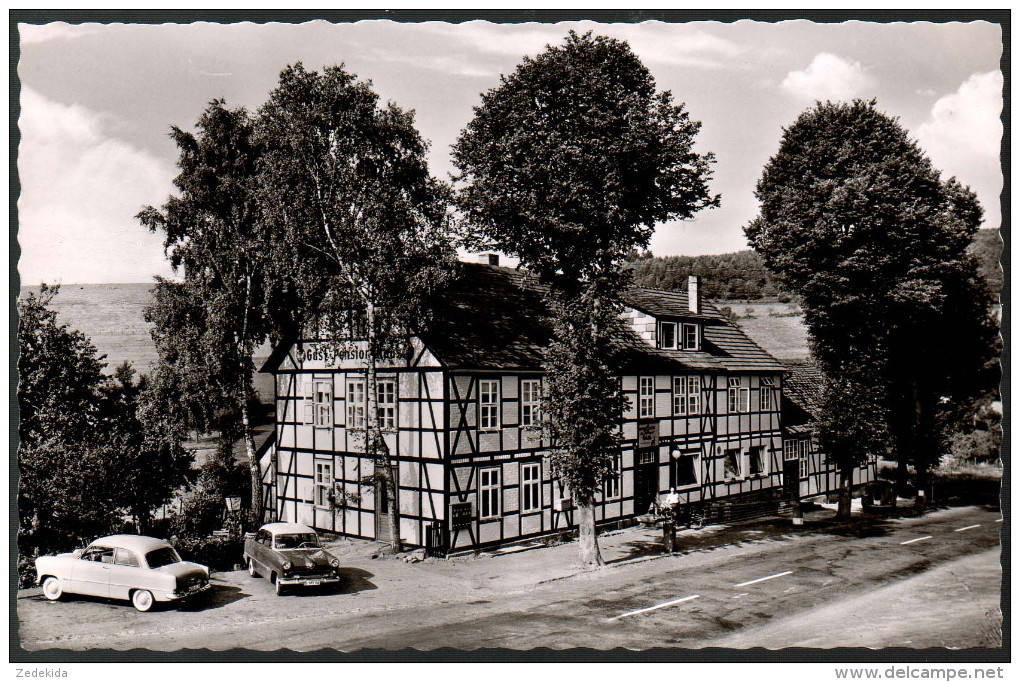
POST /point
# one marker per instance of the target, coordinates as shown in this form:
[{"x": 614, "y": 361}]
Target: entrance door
[
  {"x": 646, "y": 480},
  {"x": 791, "y": 479},
  {"x": 382, "y": 505}
]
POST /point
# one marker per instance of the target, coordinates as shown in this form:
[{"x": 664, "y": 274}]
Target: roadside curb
[
  {"x": 29, "y": 592},
  {"x": 628, "y": 562}
]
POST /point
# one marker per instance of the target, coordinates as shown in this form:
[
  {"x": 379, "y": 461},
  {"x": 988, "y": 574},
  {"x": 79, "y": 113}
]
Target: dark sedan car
[{"x": 290, "y": 554}]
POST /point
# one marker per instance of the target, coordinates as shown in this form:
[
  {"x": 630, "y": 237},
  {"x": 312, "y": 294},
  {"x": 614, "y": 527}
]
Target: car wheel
[
  {"x": 51, "y": 588},
  {"x": 142, "y": 600},
  {"x": 251, "y": 568},
  {"x": 277, "y": 585}
]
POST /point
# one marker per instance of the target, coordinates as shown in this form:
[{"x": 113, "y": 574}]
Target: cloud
[
  {"x": 828, "y": 77},
  {"x": 80, "y": 190},
  {"x": 38, "y": 33},
  {"x": 654, "y": 42},
  {"x": 963, "y": 134}
]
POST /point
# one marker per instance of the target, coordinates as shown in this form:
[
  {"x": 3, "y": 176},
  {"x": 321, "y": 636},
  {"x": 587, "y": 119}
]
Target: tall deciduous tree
[
  {"x": 857, "y": 220},
  {"x": 215, "y": 234},
  {"x": 568, "y": 165},
  {"x": 348, "y": 184}
]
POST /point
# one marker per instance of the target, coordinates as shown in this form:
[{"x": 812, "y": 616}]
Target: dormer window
[
  {"x": 691, "y": 337},
  {"x": 667, "y": 335}
]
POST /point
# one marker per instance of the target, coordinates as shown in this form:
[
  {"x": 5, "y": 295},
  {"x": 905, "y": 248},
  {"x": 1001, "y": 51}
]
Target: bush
[{"x": 218, "y": 553}]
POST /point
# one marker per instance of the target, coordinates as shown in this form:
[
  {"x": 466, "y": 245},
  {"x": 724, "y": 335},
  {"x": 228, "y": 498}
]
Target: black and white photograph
[{"x": 455, "y": 333}]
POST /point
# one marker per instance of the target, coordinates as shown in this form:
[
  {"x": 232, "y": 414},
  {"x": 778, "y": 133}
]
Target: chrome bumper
[
  {"x": 190, "y": 592},
  {"x": 309, "y": 580}
]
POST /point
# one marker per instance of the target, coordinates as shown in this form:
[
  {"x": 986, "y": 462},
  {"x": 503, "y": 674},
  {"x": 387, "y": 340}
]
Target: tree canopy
[
  {"x": 572, "y": 160},
  {"x": 568, "y": 165},
  {"x": 346, "y": 182},
  {"x": 856, "y": 220}
]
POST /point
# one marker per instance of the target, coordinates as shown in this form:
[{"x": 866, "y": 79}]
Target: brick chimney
[
  {"x": 693, "y": 294},
  {"x": 488, "y": 258}
]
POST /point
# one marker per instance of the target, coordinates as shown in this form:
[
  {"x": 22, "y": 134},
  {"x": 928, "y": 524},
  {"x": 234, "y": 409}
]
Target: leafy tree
[
  {"x": 214, "y": 232},
  {"x": 91, "y": 446},
  {"x": 568, "y": 165},
  {"x": 858, "y": 222},
  {"x": 60, "y": 374},
  {"x": 346, "y": 181},
  {"x": 146, "y": 429},
  {"x": 851, "y": 426}
]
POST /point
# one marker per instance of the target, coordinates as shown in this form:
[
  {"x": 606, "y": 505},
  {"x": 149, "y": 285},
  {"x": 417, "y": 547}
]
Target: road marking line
[
  {"x": 926, "y": 537},
  {"x": 742, "y": 594},
  {"x": 960, "y": 530},
  {"x": 768, "y": 577},
  {"x": 657, "y": 606}
]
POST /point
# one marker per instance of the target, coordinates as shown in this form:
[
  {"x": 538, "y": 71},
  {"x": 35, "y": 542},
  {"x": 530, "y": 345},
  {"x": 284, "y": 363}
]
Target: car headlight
[
  {"x": 335, "y": 563},
  {"x": 287, "y": 565}
]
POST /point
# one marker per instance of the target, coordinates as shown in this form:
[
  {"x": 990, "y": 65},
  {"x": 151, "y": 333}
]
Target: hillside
[{"x": 742, "y": 275}]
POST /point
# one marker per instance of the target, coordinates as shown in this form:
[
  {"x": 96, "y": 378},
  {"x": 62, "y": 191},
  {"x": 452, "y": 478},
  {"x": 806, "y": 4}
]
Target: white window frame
[
  {"x": 488, "y": 405},
  {"x": 386, "y": 410},
  {"x": 765, "y": 387},
  {"x": 490, "y": 496},
  {"x": 687, "y": 395},
  {"x": 531, "y": 402},
  {"x": 738, "y": 397},
  {"x": 356, "y": 403},
  {"x": 790, "y": 449},
  {"x": 764, "y": 469},
  {"x": 695, "y": 339},
  {"x": 662, "y": 335},
  {"x": 531, "y": 487},
  {"x": 738, "y": 459},
  {"x": 322, "y": 403},
  {"x": 804, "y": 454},
  {"x": 323, "y": 483},
  {"x": 646, "y": 399},
  {"x": 691, "y": 454},
  {"x": 611, "y": 483}
]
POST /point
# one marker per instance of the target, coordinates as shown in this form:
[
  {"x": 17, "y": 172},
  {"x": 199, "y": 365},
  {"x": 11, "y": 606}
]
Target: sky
[{"x": 97, "y": 102}]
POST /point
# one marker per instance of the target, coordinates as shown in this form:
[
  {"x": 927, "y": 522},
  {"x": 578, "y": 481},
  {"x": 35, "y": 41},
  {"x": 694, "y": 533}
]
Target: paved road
[{"x": 702, "y": 598}]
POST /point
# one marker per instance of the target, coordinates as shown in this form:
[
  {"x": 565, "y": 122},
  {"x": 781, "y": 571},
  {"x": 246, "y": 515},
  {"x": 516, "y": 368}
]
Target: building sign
[
  {"x": 460, "y": 515},
  {"x": 648, "y": 435},
  {"x": 353, "y": 355}
]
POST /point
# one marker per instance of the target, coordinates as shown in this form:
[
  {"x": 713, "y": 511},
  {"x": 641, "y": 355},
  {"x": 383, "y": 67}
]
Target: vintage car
[
  {"x": 141, "y": 569},
  {"x": 290, "y": 554}
]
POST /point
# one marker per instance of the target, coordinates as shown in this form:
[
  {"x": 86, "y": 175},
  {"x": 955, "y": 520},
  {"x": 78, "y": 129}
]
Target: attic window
[
  {"x": 667, "y": 335},
  {"x": 691, "y": 337}
]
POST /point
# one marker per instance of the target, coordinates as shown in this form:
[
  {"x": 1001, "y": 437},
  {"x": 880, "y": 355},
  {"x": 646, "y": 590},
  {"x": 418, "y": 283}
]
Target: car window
[
  {"x": 295, "y": 540},
  {"x": 164, "y": 556},
  {"x": 100, "y": 554},
  {"x": 126, "y": 558},
  {"x": 263, "y": 537}
]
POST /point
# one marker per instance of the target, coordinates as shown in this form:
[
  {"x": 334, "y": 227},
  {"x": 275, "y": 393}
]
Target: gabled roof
[
  {"x": 490, "y": 317},
  {"x": 496, "y": 318},
  {"x": 803, "y": 384},
  {"x": 661, "y": 303}
]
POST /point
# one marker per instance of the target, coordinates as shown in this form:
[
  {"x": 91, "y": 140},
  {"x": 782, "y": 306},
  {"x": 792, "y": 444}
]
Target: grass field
[
  {"x": 113, "y": 317},
  {"x": 776, "y": 327}
]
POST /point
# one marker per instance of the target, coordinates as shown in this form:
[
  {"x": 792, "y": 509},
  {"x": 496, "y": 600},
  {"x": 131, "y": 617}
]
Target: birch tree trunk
[
  {"x": 376, "y": 447},
  {"x": 253, "y": 464}
]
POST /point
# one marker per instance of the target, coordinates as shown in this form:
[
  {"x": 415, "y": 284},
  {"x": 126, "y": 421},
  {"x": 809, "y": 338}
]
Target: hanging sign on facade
[
  {"x": 648, "y": 435},
  {"x": 460, "y": 515}
]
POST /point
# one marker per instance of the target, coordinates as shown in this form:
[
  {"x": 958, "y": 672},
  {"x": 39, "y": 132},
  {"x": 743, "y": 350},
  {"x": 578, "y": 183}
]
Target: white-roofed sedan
[{"x": 140, "y": 569}]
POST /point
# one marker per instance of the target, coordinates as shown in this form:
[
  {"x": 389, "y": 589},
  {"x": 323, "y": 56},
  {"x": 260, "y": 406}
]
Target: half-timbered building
[
  {"x": 809, "y": 473},
  {"x": 461, "y": 417}
]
